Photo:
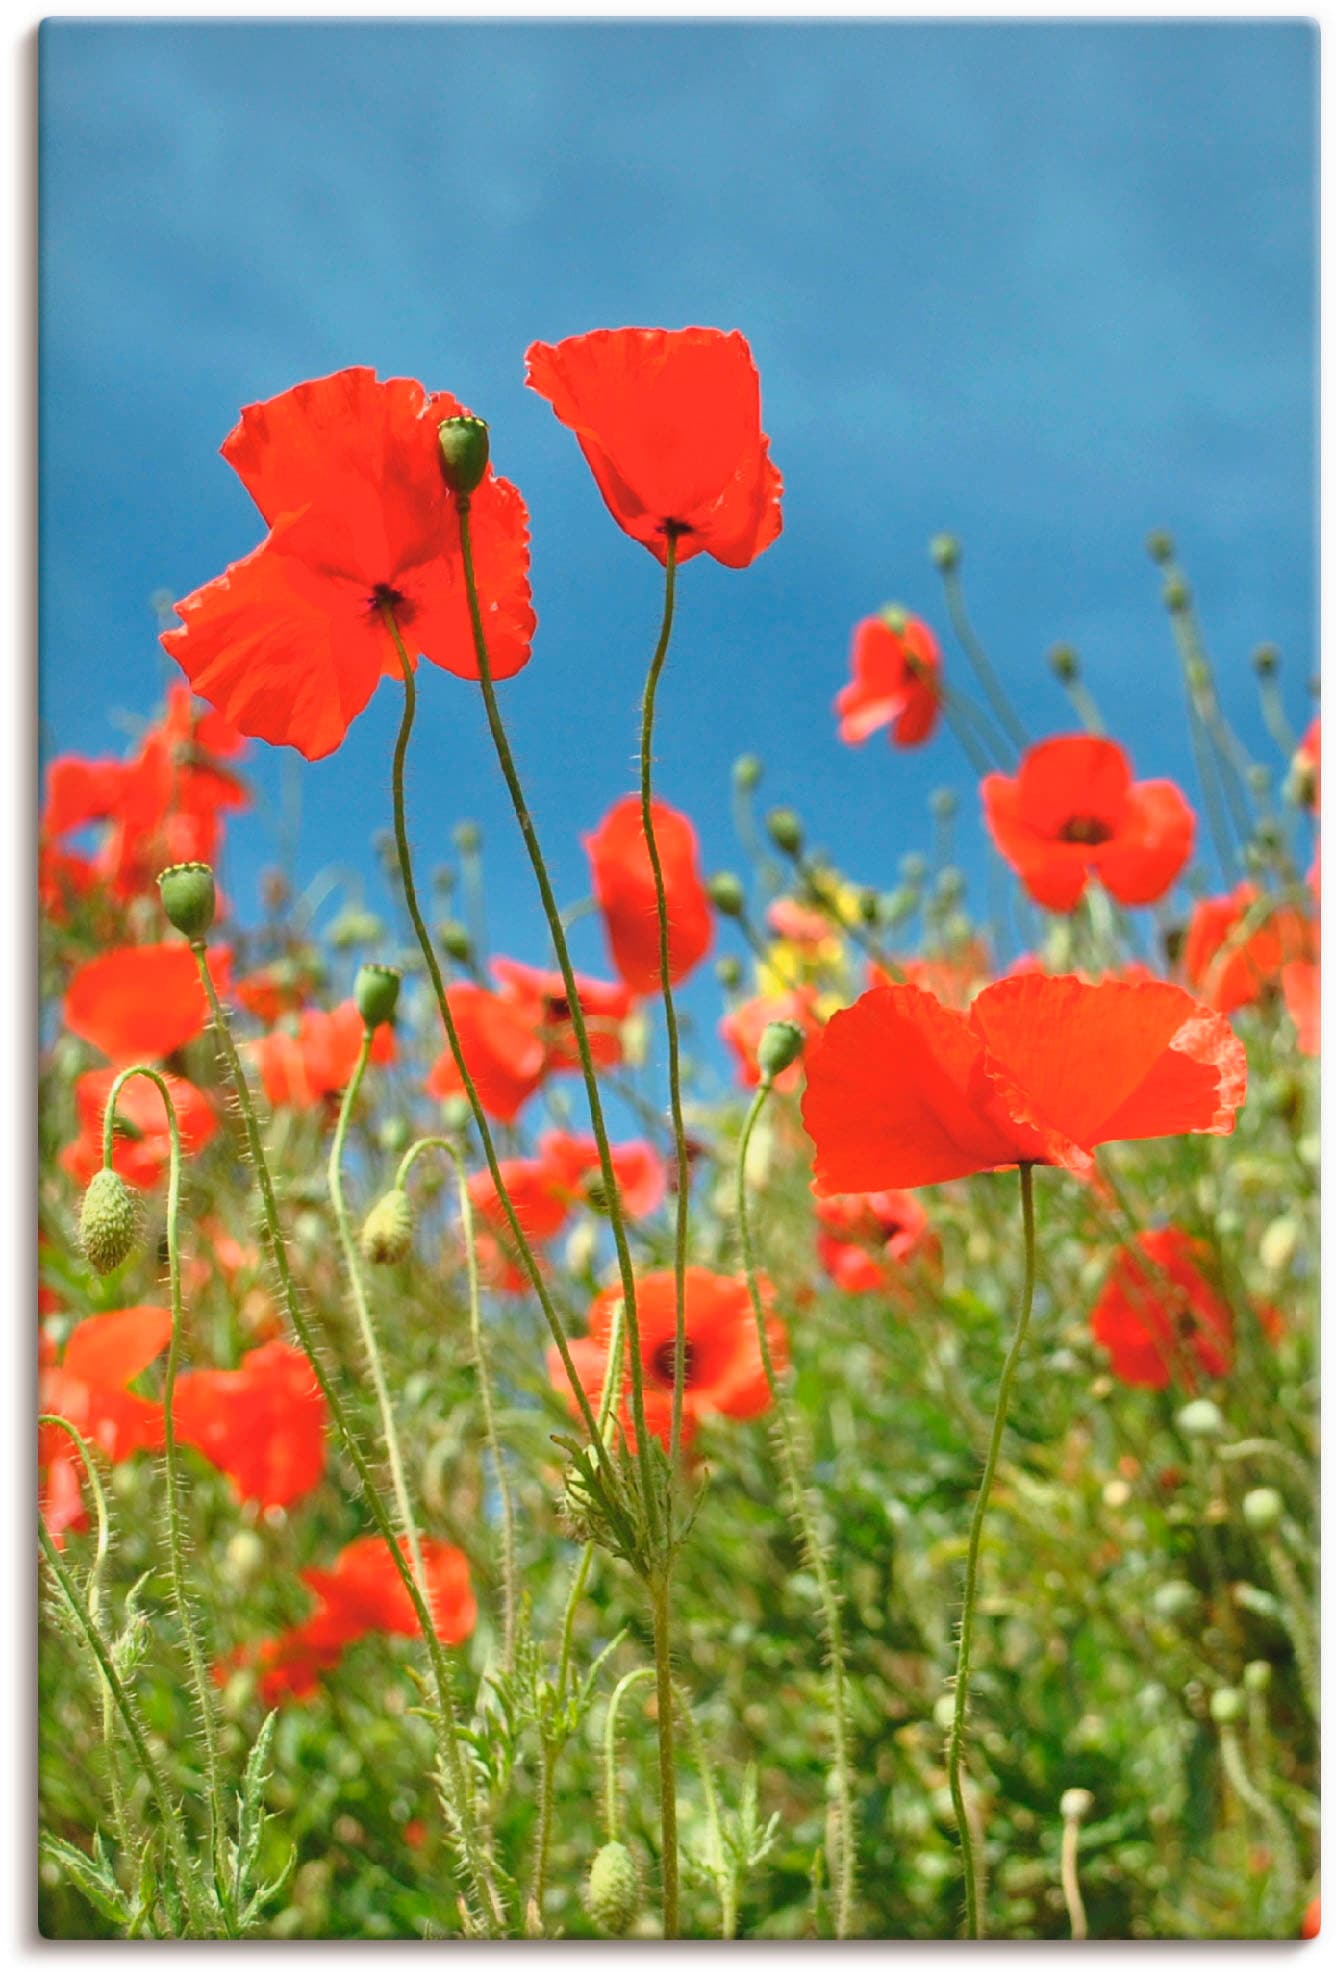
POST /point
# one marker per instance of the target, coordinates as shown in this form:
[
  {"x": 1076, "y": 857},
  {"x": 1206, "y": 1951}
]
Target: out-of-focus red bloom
[
  {"x": 798, "y": 923},
  {"x": 896, "y": 681},
  {"x": 1158, "y": 1316},
  {"x": 78, "y": 792},
  {"x": 572, "y": 1163},
  {"x": 300, "y": 1069},
  {"x": 545, "y": 1189},
  {"x": 605, "y": 1004},
  {"x": 1301, "y": 985},
  {"x": 902, "y": 1091},
  {"x": 743, "y": 1025},
  {"x": 141, "y": 1147},
  {"x": 1073, "y": 811},
  {"x": 290, "y": 643},
  {"x": 273, "y": 991},
  {"x": 141, "y": 1002},
  {"x": 669, "y": 421},
  {"x": 170, "y": 797},
  {"x": 1232, "y": 966},
  {"x": 540, "y": 1205},
  {"x": 1311, "y": 1925},
  {"x": 90, "y": 1388},
  {"x": 262, "y": 1424},
  {"x": 865, "y": 1242},
  {"x": 63, "y": 880},
  {"x": 724, "y": 1372},
  {"x": 625, "y": 893},
  {"x": 506, "y": 1056}
]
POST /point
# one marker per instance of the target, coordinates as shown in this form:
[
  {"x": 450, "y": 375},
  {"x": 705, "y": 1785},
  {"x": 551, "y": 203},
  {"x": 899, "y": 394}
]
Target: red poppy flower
[
  {"x": 669, "y": 421},
  {"x": 625, "y": 893},
  {"x": 63, "y": 881},
  {"x": 1074, "y": 811},
  {"x": 896, "y": 681},
  {"x": 866, "y": 1241},
  {"x": 506, "y": 1056},
  {"x": 274, "y": 990},
  {"x": 90, "y": 1388},
  {"x": 1162, "y": 1321},
  {"x": 724, "y": 1372},
  {"x": 573, "y": 1161},
  {"x": 301, "y": 1068},
  {"x": 902, "y": 1091},
  {"x": 743, "y": 1026},
  {"x": 262, "y": 1424},
  {"x": 141, "y": 1147},
  {"x": 141, "y": 1002},
  {"x": 1232, "y": 966},
  {"x": 289, "y": 644},
  {"x": 606, "y": 1007},
  {"x": 78, "y": 792},
  {"x": 169, "y": 800},
  {"x": 1312, "y": 1919},
  {"x": 540, "y": 1206}
]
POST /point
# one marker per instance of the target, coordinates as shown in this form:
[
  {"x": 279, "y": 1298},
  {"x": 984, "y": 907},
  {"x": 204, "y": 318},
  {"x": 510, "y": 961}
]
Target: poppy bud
[
  {"x": 468, "y": 838},
  {"x": 950, "y": 886},
  {"x": 1177, "y": 595},
  {"x": 456, "y": 1114},
  {"x": 913, "y": 867},
  {"x": 943, "y": 803},
  {"x": 108, "y": 1221},
  {"x": 1226, "y": 1705},
  {"x": 1257, "y": 1675},
  {"x": 1262, "y": 1508},
  {"x": 395, "y": 1135},
  {"x": 1160, "y": 546},
  {"x": 728, "y": 971},
  {"x": 1266, "y": 660},
  {"x": 465, "y": 449},
  {"x": 1174, "y": 1601},
  {"x": 387, "y": 1235},
  {"x": 355, "y": 928},
  {"x": 1065, "y": 664},
  {"x": 1301, "y": 783},
  {"x": 785, "y": 831},
  {"x": 377, "y": 993},
  {"x": 596, "y": 1193},
  {"x": 614, "y": 1889},
  {"x": 945, "y": 551},
  {"x": 896, "y": 619},
  {"x": 779, "y": 1045},
  {"x": 188, "y": 897},
  {"x": 1076, "y": 1803},
  {"x": 1201, "y": 1419},
  {"x": 869, "y": 906},
  {"x": 726, "y": 894},
  {"x": 747, "y": 771},
  {"x": 455, "y": 941}
]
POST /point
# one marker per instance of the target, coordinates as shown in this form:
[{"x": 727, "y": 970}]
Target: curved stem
[
  {"x": 1285, "y": 1872},
  {"x": 522, "y": 1247},
  {"x": 802, "y": 1512},
  {"x": 1069, "y": 1869},
  {"x": 956, "y": 1744},
  {"x": 457, "y": 1800},
  {"x": 610, "y": 1816},
  {"x": 205, "y": 1695}
]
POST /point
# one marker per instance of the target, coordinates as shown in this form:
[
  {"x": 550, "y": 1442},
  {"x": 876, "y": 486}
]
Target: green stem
[
  {"x": 1285, "y": 1872},
  {"x": 457, "y": 1800},
  {"x": 610, "y": 1815},
  {"x": 663, "y": 1677},
  {"x": 801, "y": 1507},
  {"x": 978, "y": 657},
  {"x": 725, "y": 1878},
  {"x": 205, "y": 1694},
  {"x": 956, "y": 1745}
]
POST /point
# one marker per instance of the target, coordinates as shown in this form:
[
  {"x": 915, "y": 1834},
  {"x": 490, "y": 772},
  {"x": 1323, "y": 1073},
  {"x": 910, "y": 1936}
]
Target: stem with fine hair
[
  {"x": 663, "y": 1678},
  {"x": 610, "y": 1815},
  {"x": 956, "y": 1742},
  {"x": 205, "y": 1694},
  {"x": 457, "y": 1800},
  {"x": 978, "y": 657},
  {"x": 801, "y": 1506},
  {"x": 509, "y": 1588}
]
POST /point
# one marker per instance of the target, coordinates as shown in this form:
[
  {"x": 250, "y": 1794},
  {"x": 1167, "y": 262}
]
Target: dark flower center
[
  {"x": 1085, "y": 828},
  {"x": 384, "y": 596},
  {"x": 556, "y": 1007},
  {"x": 662, "y": 1362}
]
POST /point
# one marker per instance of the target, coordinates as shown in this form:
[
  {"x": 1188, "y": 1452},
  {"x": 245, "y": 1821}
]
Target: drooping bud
[
  {"x": 188, "y": 897},
  {"x": 785, "y": 831},
  {"x": 1262, "y": 1508},
  {"x": 465, "y": 449},
  {"x": 387, "y": 1235},
  {"x": 1160, "y": 546},
  {"x": 945, "y": 551},
  {"x": 108, "y": 1221},
  {"x": 377, "y": 993},
  {"x": 778, "y": 1047},
  {"x": 614, "y": 1889},
  {"x": 1226, "y": 1705},
  {"x": 747, "y": 771},
  {"x": 727, "y": 894},
  {"x": 455, "y": 941},
  {"x": 1064, "y": 663}
]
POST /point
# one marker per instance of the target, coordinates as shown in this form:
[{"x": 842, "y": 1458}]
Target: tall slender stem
[
  {"x": 458, "y": 1802},
  {"x": 978, "y": 657},
  {"x": 663, "y": 1682},
  {"x": 802, "y": 1512},
  {"x": 956, "y": 1744}
]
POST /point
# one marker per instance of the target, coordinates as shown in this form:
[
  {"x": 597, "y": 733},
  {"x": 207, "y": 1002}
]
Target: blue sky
[{"x": 1046, "y": 286}]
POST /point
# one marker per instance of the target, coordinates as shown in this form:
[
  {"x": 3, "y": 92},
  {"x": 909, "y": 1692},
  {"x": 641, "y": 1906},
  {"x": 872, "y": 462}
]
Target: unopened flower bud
[
  {"x": 913, "y": 868},
  {"x": 747, "y": 771},
  {"x": 1257, "y": 1675},
  {"x": 355, "y": 928},
  {"x": 728, "y": 971},
  {"x": 108, "y": 1221},
  {"x": 1076, "y": 1803},
  {"x": 726, "y": 894},
  {"x": 614, "y": 1889},
  {"x": 395, "y": 1135},
  {"x": 779, "y": 1046},
  {"x": 896, "y": 619},
  {"x": 1201, "y": 1419},
  {"x": 1177, "y": 595},
  {"x": 468, "y": 838},
  {"x": 1064, "y": 663},
  {"x": 1266, "y": 660},
  {"x": 455, "y": 941},
  {"x": 785, "y": 831},
  {"x": 387, "y": 1235},
  {"x": 1226, "y": 1705},
  {"x": 1160, "y": 546},
  {"x": 465, "y": 449},
  {"x": 1262, "y": 1508},
  {"x": 943, "y": 803},
  {"x": 950, "y": 885},
  {"x": 945, "y": 551},
  {"x": 188, "y": 897},
  {"x": 456, "y": 1114},
  {"x": 377, "y": 993},
  {"x": 1174, "y": 1601}
]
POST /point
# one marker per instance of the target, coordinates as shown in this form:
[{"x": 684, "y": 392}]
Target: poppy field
[{"x": 514, "y": 1465}]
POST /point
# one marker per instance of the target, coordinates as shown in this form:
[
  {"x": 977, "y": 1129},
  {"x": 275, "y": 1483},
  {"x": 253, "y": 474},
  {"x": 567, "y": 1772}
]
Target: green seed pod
[
  {"x": 108, "y": 1221},
  {"x": 1257, "y": 1675},
  {"x": 1227, "y": 1705},
  {"x": 455, "y": 941},
  {"x": 1262, "y": 1508},
  {"x": 465, "y": 449},
  {"x": 728, "y": 971},
  {"x": 785, "y": 831},
  {"x": 945, "y": 551},
  {"x": 614, "y": 1889},
  {"x": 1160, "y": 546},
  {"x": 377, "y": 993},
  {"x": 778, "y": 1047},
  {"x": 747, "y": 772},
  {"x": 727, "y": 894},
  {"x": 387, "y": 1235},
  {"x": 188, "y": 897},
  {"x": 1064, "y": 663},
  {"x": 1201, "y": 1419}
]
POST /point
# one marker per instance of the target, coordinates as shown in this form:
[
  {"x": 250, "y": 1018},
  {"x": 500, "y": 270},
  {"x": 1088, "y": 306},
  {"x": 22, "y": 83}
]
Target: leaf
[{"x": 91, "y": 1874}]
